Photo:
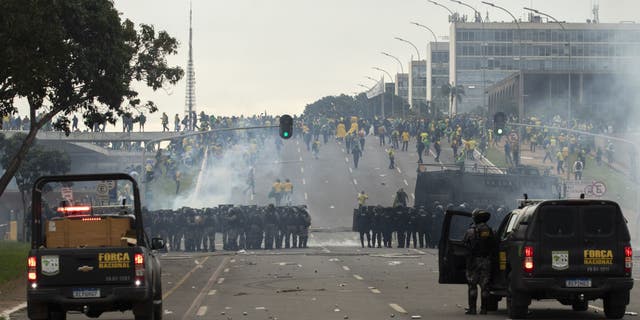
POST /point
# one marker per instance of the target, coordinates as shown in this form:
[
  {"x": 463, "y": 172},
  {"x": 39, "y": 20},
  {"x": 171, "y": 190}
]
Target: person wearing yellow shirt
[
  {"x": 560, "y": 166},
  {"x": 362, "y": 199},
  {"x": 276, "y": 192},
  {"x": 405, "y": 140},
  {"x": 392, "y": 158},
  {"x": 287, "y": 189}
]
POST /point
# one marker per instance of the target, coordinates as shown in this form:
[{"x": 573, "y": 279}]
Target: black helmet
[{"x": 480, "y": 216}]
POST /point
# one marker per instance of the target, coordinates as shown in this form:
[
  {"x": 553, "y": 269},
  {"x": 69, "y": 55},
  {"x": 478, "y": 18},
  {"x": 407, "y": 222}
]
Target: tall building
[
  {"x": 402, "y": 86},
  {"x": 190, "y": 97},
  {"x": 483, "y": 54},
  {"x": 437, "y": 74},
  {"x": 417, "y": 95}
]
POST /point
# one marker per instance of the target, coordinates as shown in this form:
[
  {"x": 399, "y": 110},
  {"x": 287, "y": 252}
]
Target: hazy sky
[{"x": 279, "y": 55}]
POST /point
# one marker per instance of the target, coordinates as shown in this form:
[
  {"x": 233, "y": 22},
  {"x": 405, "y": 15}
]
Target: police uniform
[{"x": 480, "y": 242}]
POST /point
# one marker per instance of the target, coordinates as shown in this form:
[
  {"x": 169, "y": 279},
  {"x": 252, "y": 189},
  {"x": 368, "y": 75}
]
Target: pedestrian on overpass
[{"x": 165, "y": 122}]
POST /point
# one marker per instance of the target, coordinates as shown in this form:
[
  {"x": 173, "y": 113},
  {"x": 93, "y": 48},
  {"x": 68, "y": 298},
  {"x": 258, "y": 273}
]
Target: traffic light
[
  {"x": 499, "y": 123},
  {"x": 286, "y": 126}
]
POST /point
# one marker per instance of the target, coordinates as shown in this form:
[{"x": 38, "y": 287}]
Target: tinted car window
[
  {"x": 558, "y": 221},
  {"x": 598, "y": 220},
  {"x": 459, "y": 226}
]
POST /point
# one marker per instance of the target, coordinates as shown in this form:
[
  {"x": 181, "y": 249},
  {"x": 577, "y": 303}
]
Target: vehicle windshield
[{"x": 87, "y": 198}]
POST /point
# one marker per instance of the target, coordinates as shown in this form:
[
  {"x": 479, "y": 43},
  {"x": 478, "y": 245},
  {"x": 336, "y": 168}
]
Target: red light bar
[{"x": 74, "y": 209}]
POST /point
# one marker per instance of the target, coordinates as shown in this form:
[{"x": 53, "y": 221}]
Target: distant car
[
  {"x": 573, "y": 251},
  {"x": 89, "y": 251}
]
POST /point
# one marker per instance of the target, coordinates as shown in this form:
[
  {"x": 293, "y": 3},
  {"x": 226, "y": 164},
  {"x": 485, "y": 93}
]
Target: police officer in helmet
[{"x": 480, "y": 242}]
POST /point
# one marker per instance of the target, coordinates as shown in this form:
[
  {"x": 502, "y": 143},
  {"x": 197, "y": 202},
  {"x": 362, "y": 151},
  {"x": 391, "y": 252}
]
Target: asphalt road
[
  {"x": 334, "y": 278},
  {"x": 322, "y": 282}
]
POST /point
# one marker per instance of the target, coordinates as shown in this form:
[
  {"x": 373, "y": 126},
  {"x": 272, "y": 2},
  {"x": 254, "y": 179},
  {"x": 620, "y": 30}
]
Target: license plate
[
  {"x": 86, "y": 293},
  {"x": 578, "y": 283}
]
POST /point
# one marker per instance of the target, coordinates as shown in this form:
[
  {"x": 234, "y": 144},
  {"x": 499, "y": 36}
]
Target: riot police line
[
  {"x": 241, "y": 227},
  {"x": 382, "y": 226}
]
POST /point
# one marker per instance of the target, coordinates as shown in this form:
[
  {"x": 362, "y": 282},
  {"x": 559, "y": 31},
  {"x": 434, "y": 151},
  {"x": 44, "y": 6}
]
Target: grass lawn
[
  {"x": 496, "y": 157},
  {"x": 619, "y": 186},
  {"x": 14, "y": 260}
]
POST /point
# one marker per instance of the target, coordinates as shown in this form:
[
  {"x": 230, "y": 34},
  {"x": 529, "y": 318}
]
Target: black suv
[{"x": 569, "y": 250}]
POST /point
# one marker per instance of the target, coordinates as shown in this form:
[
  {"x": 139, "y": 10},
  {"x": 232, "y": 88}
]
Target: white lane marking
[
  {"x": 399, "y": 171},
  {"x": 405, "y": 182},
  {"x": 345, "y": 268},
  {"x": 232, "y": 260},
  {"x": 8, "y": 312},
  {"x": 212, "y": 292},
  {"x": 342, "y": 149},
  {"x": 252, "y": 197},
  {"x": 202, "y": 311},
  {"x": 374, "y": 290},
  {"x": 397, "y": 308},
  {"x": 305, "y": 196},
  {"x": 220, "y": 281},
  {"x": 226, "y": 270},
  {"x": 355, "y": 182},
  {"x": 346, "y": 160},
  {"x": 297, "y": 142},
  {"x": 358, "y": 277},
  {"x": 302, "y": 170},
  {"x": 413, "y": 196},
  {"x": 596, "y": 308},
  {"x": 419, "y": 251},
  {"x": 304, "y": 181},
  {"x": 350, "y": 170},
  {"x": 298, "y": 150},
  {"x": 300, "y": 158}
]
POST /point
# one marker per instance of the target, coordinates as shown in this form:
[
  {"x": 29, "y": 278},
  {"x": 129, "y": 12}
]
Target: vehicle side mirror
[{"x": 157, "y": 243}]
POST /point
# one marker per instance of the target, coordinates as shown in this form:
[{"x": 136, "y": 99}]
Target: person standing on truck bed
[{"x": 480, "y": 241}]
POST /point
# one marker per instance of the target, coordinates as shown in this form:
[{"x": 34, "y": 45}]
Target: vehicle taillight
[
  {"x": 138, "y": 261},
  {"x": 32, "y": 274},
  {"x": 527, "y": 263},
  {"x": 628, "y": 259}
]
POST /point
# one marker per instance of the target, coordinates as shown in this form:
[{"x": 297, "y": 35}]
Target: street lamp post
[
  {"x": 411, "y": 64},
  {"x": 440, "y": 5},
  {"x": 569, "y": 119},
  {"x": 521, "y": 103},
  {"x": 396, "y": 58},
  {"x": 401, "y": 71},
  {"x": 430, "y": 60},
  {"x": 393, "y": 94},
  {"x": 409, "y": 42}
]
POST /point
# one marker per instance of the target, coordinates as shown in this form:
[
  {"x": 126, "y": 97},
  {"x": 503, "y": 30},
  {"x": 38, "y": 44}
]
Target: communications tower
[{"x": 190, "y": 103}]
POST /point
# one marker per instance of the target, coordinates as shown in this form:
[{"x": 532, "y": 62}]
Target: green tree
[
  {"x": 454, "y": 92},
  {"x": 73, "y": 56},
  {"x": 38, "y": 162}
]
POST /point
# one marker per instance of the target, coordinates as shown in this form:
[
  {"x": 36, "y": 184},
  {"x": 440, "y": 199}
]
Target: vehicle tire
[
  {"x": 144, "y": 311},
  {"x": 517, "y": 303},
  {"x": 57, "y": 315},
  {"x": 580, "y": 305},
  {"x": 157, "y": 305},
  {"x": 613, "y": 309},
  {"x": 492, "y": 303},
  {"x": 37, "y": 311}
]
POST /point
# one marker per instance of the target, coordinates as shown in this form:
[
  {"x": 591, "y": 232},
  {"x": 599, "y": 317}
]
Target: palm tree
[{"x": 453, "y": 92}]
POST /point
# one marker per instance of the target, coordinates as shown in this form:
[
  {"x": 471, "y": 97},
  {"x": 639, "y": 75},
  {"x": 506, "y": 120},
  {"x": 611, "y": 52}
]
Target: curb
[{"x": 7, "y": 313}]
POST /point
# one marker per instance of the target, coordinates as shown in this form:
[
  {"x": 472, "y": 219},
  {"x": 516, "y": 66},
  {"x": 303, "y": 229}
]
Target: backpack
[{"x": 483, "y": 241}]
